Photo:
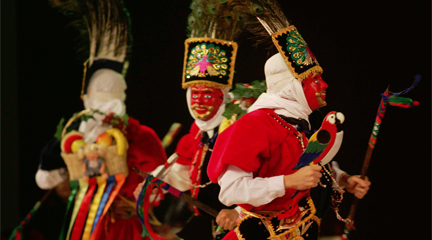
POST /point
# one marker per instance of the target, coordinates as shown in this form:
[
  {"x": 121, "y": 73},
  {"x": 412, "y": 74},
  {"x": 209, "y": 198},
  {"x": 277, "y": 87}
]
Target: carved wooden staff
[{"x": 393, "y": 99}]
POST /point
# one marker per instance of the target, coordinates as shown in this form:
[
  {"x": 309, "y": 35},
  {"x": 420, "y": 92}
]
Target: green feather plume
[{"x": 214, "y": 19}]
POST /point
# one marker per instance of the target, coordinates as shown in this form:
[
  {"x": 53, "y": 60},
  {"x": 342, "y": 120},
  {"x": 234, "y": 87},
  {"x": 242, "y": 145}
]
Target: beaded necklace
[
  {"x": 337, "y": 196},
  {"x": 283, "y": 123}
]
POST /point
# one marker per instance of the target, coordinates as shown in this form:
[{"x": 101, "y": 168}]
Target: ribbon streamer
[
  {"x": 83, "y": 187},
  {"x": 74, "y": 184},
  {"x": 143, "y": 204},
  {"x": 120, "y": 179},
  {"x": 82, "y": 213},
  {"x": 110, "y": 183},
  {"x": 101, "y": 184}
]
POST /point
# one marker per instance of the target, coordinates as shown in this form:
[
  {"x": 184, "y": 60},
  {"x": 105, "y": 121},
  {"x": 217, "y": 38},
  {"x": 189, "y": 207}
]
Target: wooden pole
[{"x": 371, "y": 145}]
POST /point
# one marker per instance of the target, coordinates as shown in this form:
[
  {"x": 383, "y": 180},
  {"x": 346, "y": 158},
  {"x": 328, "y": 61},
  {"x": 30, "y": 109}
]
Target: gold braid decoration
[
  {"x": 198, "y": 178},
  {"x": 266, "y": 217}
]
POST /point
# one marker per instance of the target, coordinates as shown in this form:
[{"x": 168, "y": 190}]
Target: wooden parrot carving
[{"x": 324, "y": 143}]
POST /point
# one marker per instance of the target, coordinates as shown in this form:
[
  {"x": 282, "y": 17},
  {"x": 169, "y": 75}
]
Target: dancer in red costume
[
  {"x": 208, "y": 73},
  {"x": 253, "y": 159},
  {"x": 105, "y": 96}
]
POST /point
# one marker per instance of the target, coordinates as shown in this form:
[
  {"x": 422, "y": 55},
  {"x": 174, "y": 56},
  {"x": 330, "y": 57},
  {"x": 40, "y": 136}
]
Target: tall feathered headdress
[
  {"x": 210, "y": 50},
  {"x": 104, "y": 33},
  {"x": 266, "y": 21}
]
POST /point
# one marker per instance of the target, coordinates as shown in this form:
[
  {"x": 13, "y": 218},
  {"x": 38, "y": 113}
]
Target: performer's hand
[
  {"x": 227, "y": 218},
  {"x": 356, "y": 185},
  {"x": 138, "y": 190},
  {"x": 305, "y": 178}
]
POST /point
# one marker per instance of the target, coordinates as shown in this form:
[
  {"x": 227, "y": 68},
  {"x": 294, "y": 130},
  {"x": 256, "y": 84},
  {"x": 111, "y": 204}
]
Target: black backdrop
[{"x": 363, "y": 46}]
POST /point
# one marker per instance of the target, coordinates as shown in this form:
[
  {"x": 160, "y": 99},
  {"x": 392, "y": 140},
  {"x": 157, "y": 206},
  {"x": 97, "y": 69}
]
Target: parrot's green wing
[{"x": 314, "y": 148}]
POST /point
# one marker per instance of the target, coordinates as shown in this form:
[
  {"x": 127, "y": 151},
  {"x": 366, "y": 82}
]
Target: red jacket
[{"x": 262, "y": 143}]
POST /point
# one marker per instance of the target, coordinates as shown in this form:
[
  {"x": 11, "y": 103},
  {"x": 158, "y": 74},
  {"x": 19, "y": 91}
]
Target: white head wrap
[
  {"x": 284, "y": 92},
  {"x": 208, "y": 125},
  {"x": 106, "y": 93}
]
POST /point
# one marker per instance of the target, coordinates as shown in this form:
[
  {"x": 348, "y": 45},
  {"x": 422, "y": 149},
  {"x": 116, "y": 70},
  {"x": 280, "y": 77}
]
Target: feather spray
[
  {"x": 262, "y": 18},
  {"x": 103, "y": 27},
  {"x": 214, "y": 19}
]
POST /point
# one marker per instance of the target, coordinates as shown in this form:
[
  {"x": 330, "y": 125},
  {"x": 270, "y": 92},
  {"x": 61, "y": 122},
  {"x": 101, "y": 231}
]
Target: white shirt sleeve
[
  {"x": 337, "y": 171},
  {"x": 239, "y": 187},
  {"x": 177, "y": 176}
]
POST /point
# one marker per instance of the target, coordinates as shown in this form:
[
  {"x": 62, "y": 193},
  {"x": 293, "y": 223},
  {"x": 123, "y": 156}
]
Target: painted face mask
[
  {"x": 205, "y": 101},
  {"x": 314, "y": 89}
]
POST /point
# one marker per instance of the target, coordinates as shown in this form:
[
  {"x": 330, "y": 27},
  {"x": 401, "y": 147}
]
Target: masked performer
[
  {"x": 210, "y": 53},
  {"x": 105, "y": 25},
  {"x": 254, "y": 158}
]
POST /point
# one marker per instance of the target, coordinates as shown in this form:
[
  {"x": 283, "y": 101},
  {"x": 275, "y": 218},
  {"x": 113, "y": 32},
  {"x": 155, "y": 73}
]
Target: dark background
[{"x": 363, "y": 47}]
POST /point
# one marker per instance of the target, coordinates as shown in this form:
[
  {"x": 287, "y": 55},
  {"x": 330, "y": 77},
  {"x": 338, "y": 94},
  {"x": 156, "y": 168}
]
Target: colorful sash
[
  {"x": 101, "y": 184},
  {"x": 120, "y": 179},
  {"x": 83, "y": 210},
  {"x": 110, "y": 184},
  {"x": 74, "y": 184},
  {"x": 83, "y": 187}
]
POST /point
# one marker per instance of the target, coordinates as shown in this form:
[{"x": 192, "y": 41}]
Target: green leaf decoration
[
  {"x": 243, "y": 91},
  {"x": 255, "y": 90},
  {"x": 258, "y": 88},
  {"x": 231, "y": 109},
  {"x": 58, "y": 133},
  {"x": 86, "y": 117},
  {"x": 125, "y": 118}
]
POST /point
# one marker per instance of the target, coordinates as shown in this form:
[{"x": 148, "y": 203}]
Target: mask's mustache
[
  {"x": 321, "y": 101},
  {"x": 210, "y": 108},
  {"x": 205, "y": 114}
]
